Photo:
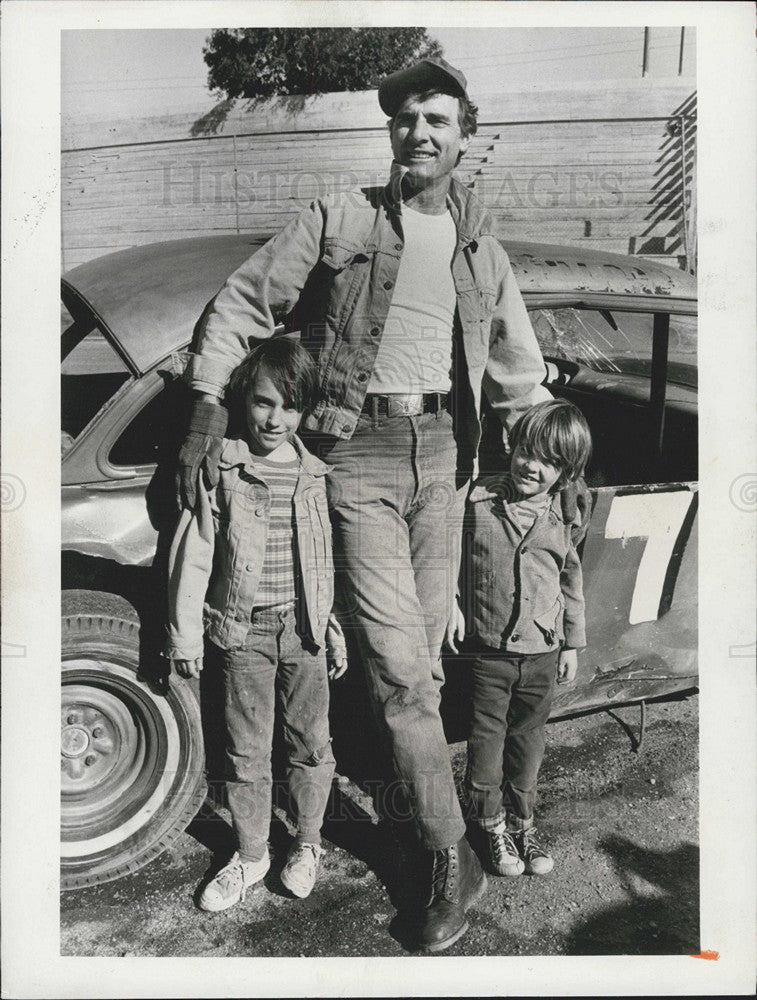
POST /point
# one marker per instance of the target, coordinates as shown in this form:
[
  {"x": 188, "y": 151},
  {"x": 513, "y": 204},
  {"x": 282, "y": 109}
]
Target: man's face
[{"x": 426, "y": 136}]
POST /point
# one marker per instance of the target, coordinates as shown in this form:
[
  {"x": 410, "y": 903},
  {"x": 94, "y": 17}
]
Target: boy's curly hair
[{"x": 557, "y": 433}]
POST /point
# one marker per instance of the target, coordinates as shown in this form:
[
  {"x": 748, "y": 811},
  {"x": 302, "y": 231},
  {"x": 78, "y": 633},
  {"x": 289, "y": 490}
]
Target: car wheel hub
[
  {"x": 73, "y": 741},
  {"x": 101, "y": 750}
]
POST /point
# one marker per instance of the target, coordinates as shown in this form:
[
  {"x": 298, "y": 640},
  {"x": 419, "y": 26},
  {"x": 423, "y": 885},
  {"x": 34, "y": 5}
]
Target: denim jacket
[
  {"x": 217, "y": 553},
  {"x": 337, "y": 262},
  {"x": 522, "y": 593}
]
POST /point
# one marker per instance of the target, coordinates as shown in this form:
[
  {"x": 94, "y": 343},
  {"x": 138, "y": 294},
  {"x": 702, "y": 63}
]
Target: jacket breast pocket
[
  {"x": 240, "y": 498},
  {"x": 347, "y": 268}
]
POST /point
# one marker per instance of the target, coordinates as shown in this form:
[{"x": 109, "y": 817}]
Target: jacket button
[
  {"x": 515, "y": 637},
  {"x": 388, "y": 285},
  {"x": 362, "y": 377},
  {"x": 374, "y": 331},
  {"x": 397, "y": 246},
  {"x": 524, "y": 549},
  {"x": 347, "y": 428},
  {"x": 249, "y": 567},
  {"x": 259, "y": 511}
]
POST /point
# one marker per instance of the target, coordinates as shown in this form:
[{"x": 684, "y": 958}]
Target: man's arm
[
  {"x": 515, "y": 368},
  {"x": 254, "y": 298}
]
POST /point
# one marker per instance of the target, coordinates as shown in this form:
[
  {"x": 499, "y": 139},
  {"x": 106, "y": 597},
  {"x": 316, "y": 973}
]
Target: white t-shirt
[{"x": 415, "y": 353}]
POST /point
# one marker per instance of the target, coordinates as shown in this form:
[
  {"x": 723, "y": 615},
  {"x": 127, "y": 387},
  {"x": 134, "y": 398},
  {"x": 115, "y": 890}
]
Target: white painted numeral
[{"x": 658, "y": 518}]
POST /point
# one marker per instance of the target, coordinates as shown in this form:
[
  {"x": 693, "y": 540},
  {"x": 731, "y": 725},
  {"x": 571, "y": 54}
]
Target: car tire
[{"x": 132, "y": 759}]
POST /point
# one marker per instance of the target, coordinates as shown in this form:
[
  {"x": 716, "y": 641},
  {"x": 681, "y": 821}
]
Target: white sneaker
[
  {"x": 299, "y": 872},
  {"x": 231, "y": 883}
]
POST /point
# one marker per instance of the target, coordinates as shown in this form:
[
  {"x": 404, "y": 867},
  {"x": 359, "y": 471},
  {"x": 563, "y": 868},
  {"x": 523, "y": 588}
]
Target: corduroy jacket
[{"x": 522, "y": 593}]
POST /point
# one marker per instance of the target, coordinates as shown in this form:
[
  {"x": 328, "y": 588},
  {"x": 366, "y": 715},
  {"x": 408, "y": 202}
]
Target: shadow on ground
[{"x": 665, "y": 924}]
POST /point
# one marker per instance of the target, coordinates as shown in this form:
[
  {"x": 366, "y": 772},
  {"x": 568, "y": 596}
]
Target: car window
[
  {"x": 156, "y": 429},
  {"x": 91, "y": 372},
  {"x": 616, "y": 341}
]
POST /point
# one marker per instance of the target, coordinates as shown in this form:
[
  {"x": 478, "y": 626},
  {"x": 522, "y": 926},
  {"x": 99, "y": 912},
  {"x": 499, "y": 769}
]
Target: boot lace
[{"x": 445, "y": 865}]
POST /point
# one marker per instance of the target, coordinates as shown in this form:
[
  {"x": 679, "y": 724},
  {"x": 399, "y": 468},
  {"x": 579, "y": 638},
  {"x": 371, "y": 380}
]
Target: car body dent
[
  {"x": 623, "y": 660},
  {"x": 109, "y": 522}
]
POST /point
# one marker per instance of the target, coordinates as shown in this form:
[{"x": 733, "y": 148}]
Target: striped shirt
[{"x": 277, "y": 583}]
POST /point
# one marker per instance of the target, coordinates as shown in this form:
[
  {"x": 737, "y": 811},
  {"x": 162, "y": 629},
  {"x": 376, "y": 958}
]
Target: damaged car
[{"x": 618, "y": 336}]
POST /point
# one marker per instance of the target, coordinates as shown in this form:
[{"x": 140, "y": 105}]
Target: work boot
[{"x": 457, "y": 882}]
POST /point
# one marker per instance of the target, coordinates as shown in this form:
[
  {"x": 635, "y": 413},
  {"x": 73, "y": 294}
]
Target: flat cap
[{"x": 428, "y": 73}]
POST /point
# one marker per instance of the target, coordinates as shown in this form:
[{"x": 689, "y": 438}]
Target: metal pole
[
  {"x": 684, "y": 219},
  {"x": 658, "y": 382},
  {"x": 236, "y": 192},
  {"x": 680, "y": 54},
  {"x": 645, "y": 55}
]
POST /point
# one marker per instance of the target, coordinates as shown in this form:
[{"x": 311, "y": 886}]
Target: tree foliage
[{"x": 263, "y": 62}]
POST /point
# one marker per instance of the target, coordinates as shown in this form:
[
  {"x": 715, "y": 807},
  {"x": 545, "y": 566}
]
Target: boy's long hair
[
  {"x": 287, "y": 364},
  {"x": 557, "y": 433}
]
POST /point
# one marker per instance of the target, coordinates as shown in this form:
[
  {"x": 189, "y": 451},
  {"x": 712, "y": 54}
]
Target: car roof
[{"x": 148, "y": 299}]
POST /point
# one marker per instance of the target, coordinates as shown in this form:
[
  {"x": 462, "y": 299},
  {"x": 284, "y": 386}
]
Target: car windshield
[
  {"x": 91, "y": 372},
  {"x": 616, "y": 342}
]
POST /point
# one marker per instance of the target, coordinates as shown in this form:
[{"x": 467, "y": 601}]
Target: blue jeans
[
  {"x": 512, "y": 698},
  {"x": 274, "y": 664},
  {"x": 397, "y": 516}
]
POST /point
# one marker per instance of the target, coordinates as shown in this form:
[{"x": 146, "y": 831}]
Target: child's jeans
[
  {"x": 273, "y": 663},
  {"x": 512, "y": 697}
]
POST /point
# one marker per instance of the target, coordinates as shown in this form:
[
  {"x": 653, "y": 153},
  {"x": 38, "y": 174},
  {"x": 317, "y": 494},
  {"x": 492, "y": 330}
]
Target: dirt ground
[{"x": 621, "y": 825}]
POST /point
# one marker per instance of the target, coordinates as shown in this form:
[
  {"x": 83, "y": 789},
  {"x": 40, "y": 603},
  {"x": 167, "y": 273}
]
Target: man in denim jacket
[{"x": 409, "y": 303}]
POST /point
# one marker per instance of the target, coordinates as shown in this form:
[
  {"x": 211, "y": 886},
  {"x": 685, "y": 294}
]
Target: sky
[{"x": 127, "y": 71}]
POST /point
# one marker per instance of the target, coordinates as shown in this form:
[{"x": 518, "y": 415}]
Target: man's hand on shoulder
[{"x": 201, "y": 450}]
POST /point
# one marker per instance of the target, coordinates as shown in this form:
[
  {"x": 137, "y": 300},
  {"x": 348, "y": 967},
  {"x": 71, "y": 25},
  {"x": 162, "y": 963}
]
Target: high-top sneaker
[
  {"x": 457, "y": 882},
  {"x": 537, "y": 860}
]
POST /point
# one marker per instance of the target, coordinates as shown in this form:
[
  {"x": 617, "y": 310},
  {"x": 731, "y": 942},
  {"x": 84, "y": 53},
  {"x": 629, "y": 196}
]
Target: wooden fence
[{"x": 620, "y": 183}]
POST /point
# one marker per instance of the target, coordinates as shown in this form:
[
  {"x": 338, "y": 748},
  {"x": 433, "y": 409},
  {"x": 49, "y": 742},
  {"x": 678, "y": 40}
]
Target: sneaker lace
[
  {"x": 230, "y": 877},
  {"x": 531, "y": 846},
  {"x": 503, "y": 847},
  {"x": 307, "y": 854}
]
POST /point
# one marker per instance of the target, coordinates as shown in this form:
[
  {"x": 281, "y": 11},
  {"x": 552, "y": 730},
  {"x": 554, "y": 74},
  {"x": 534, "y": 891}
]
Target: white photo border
[{"x": 32, "y": 964}]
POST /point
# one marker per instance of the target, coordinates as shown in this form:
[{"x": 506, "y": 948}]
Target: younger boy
[
  {"x": 254, "y": 560},
  {"x": 524, "y": 607}
]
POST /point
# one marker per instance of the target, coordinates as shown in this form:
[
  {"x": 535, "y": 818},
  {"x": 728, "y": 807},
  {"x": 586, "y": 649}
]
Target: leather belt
[{"x": 397, "y": 404}]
